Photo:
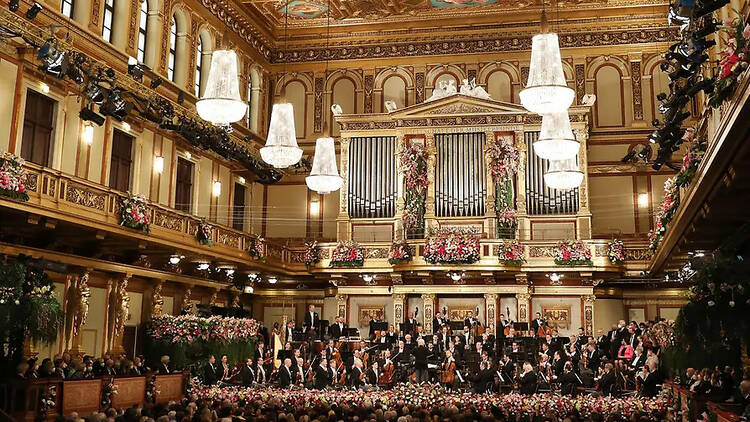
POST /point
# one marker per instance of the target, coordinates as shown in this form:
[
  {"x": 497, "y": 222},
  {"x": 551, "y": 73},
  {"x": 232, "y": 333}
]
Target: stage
[{"x": 435, "y": 397}]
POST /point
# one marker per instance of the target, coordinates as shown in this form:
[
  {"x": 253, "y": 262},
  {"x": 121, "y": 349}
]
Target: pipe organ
[
  {"x": 540, "y": 199},
  {"x": 460, "y": 182},
  {"x": 372, "y": 177}
]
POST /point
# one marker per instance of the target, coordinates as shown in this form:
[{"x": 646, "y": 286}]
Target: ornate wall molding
[
  {"x": 419, "y": 87},
  {"x": 318, "y": 104},
  {"x": 369, "y": 82},
  {"x": 580, "y": 82},
  {"x": 635, "y": 77}
]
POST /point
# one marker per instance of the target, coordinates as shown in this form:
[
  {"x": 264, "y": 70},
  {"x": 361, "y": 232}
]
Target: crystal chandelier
[
  {"x": 221, "y": 103},
  {"x": 324, "y": 177},
  {"x": 556, "y": 140},
  {"x": 563, "y": 174},
  {"x": 546, "y": 90},
  {"x": 281, "y": 150}
]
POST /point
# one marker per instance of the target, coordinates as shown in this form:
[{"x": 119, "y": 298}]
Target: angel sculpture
[
  {"x": 477, "y": 91},
  {"x": 390, "y": 106},
  {"x": 336, "y": 109}
]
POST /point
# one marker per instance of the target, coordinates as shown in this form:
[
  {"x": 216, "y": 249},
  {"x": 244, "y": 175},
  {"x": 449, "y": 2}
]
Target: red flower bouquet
[
  {"x": 400, "y": 252},
  {"x": 13, "y": 177},
  {"x": 452, "y": 246},
  {"x": 134, "y": 213},
  {"x": 572, "y": 252},
  {"x": 348, "y": 254},
  {"x": 511, "y": 253}
]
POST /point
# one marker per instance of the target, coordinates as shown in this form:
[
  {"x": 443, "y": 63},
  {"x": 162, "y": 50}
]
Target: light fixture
[
  {"x": 272, "y": 279},
  {"x": 699, "y": 254},
  {"x": 241, "y": 180},
  {"x": 368, "y": 278},
  {"x": 159, "y": 164},
  {"x": 456, "y": 275},
  {"x": 546, "y": 90},
  {"x": 13, "y": 5},
  {"x": 556, "y": 140},
  {"x": 135, "y": 70},
  {"x": 87, "y": 134},
  {"x": 188, "y": 155},
  {"x": 89, "y": 115},
  {"x": 324, "y": 177},
  {"x": 217, "y": 188},
  {"x": 44, "y": 87},
  {"x": 281, "y": 150},
  {"x": 174, "y": 259},
  {"x": 253, "y": 276},
  {"x": 230, "y": 272},
  {"x": 249, "y": 289},
  {"x": 314, "y": 207},
  {"x": 554, "y": 278},
  {"x": 563, "y": 174},
  {"x": 643, "y": 200},
  {"x": 33, "y": 11},
  {"x": 221, "y": 103},
  {"x": 203, "y": 266}
]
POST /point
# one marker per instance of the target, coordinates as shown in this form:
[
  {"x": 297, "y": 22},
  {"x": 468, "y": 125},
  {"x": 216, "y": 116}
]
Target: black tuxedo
[
  {"x": 602, "y": 343},
  {"x": 261, "y": 376},
  {"x": 289, "y": 334},
  {"x": 354, "y": 377},
  {"x": 528, "y": 383},
  {"x": 648, "y": 386},
  {"x": 468, "y": 321},
  {"x": 570, "y": 383},
  {"x": 593, "y": 359},
  {"x": 337, "y": 330},
  {"x": 163, "y": 369},
  {"x": 311, "y": 321},
  {"x": 638, "y": 361},
  {"x": 606, "y": 383},
  {"x": 482, "y": 379},
  {"x": 285, "y": 376},
  {"x": 372, "y": 377},
  {"x": 420, "y": 357},
  {"x": 535, "y": 324},
  {"x": 322, "y": 377},
  {"x": 247, "y": 374},
  {"x": 211, "y": 374}
]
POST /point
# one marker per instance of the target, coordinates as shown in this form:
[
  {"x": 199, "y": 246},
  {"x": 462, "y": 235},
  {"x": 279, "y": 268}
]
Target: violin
[{"x": 449, "y": 373}]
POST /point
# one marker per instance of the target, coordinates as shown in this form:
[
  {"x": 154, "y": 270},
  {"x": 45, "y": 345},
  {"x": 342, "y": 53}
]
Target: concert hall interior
[{"x": 298, "y": 210}]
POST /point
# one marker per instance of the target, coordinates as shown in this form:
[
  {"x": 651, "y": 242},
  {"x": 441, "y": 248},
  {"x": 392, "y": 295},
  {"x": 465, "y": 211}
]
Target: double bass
[
  {"x": 506, "y": 330},
  {"x": 449, "y": 372},
  {"x": 543, "y": 329},
  {"x": 387, "y": 376}
]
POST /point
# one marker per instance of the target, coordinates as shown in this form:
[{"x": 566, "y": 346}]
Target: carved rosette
[
  {"x": 490, "y": 301},
  {"x": 398, "y": 308},
  {"x": 588, "y": 313},
  {"x": 428, "y": 307},
  {"x": 341, "y": 306}
]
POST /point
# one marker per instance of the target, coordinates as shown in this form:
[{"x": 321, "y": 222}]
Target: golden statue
[
  {"x": 157, "y": 301},
  {"x": 77, "y": 304},
  {"x": 119, "y": 312}
]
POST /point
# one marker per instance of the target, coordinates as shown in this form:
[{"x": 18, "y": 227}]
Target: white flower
[
  {"x": 731, "y": 304},
  {"x": 711, "y": 303}
]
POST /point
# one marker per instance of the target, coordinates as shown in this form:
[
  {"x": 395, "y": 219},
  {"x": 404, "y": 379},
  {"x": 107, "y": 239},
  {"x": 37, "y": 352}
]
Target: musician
[
  {"x": 312, "y": 320},
  {"x": 391, "y": 336},
  {"x": 569, "y": 380},
  {"x": 411, "y": 320},
  {"x": 260, "y": 372},
  {"x": 558, "y": 363},
  {"x": 648, "y": 379},
  {"x": 164, "y": 365},
  {"x": 338, "y": 327},
  {"x": 333, "y": 372},
  {"x": 247, "y": 373},
  {"x": 479, "y": 348},
  {"x": 483, "y": 378},
  {"x": 606, "y": 380},
  {"x": 373, "y": 374},
  {"x": 581, "y": 339},
  {"x": 508, "y": 367},
  {"x": 454, "y": 351},
  {"x": 545, "y": 350},
  {"x": 320, "y": 376},
  {"x": 373, "y": 320},
  {"x": 330, "y": 349},
  {"x": 448, "y": 377},
  {"x": 224, "y": 369},
  {"x": 471, "y": 321},
  {"x": 527, "y": 380},
  {"x": 438, "y": 322},
  {"x": 632, "y": 337},
  {"x": 544, "y": 371},
  {"x": 537, "y": 322},
  {"x": 408, "y": 344},
  {"x": 638, "y": 361},
  {"x": 400, "y": 353},
  {"x": 488, "y": 343},
  {"x": 512, "y": 333},
  {"x": 436, "y": 343},
  {"x": 502, "y": 324},
  {"x": 355, "y": 378},
  {"x": 260, "y": 350},
  {"x": 445, "y": 337},
  {"x": 211, "y": 372},
  {"x": 289, "y": 333},
  {"x": 465, "y": 339},
  {"x": 382, "y": 337},
  {"x": 286, "y": 377},
  {"x": 420, "y": 354},
  {"x": 573, "y": 354},
  {"x": 514, "y": 349},
  {"x": 592, "y": 358},
  {"x": 602, "y": 342}
]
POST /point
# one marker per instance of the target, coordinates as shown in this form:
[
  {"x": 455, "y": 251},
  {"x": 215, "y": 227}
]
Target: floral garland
[
  {"x": 735, "y": 59},
  {"x": 414, "y": 168},
  {"x": 616, "y": 251},
  {"x": 662, "y": 334},
  {"x": 204, "y": 233},
  {"x": 572, "y": 252},
  {"x": 109, "y": 390},
  {"x": 504, "y": 162},
  {"x": 257, "y": 247},
  {"x": 664, "y": 213},
  {"x": 452, "y": 246},
  {"x": 692, "y": 158},
  {"x": 312, "y": 253},
  {"x": 507, "y": 217},
  {"x": 511, "y": 253},
  {"x": 399, "y": 252},
  {"x": 191, "y": 328},
  {"x": 436, "y": 397},
  {"x": 13, "y": 177},
  {"x": 151, "y": 390},
  {"x": 348, "y": 254},
  {"x": 134, "y": 213}
]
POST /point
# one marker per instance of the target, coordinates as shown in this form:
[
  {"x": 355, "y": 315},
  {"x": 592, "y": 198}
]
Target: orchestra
[{"x": 523, "y": 357}]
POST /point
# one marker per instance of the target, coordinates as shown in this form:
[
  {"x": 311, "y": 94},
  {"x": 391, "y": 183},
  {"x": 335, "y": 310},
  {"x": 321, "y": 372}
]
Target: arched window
[
  {"x": 249, "y": 100},
  {"x": 142, "y": 28},
  {"x": 198, "y": 67},
  {"x": 67, "y": 8},
  {"x": 109, "y": 14},
  {"x": 172, "y": 49}
]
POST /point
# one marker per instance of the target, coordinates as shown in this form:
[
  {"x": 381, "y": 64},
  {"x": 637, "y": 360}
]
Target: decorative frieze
[{"x": 635, "y": 78}]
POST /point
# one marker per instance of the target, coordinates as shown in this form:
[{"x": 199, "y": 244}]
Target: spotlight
[
  {"x": 629, "y": 156},
  {"x": 95, "y": 93},
  {"x": 89, "y": 115},
  {"x": 126, "y": 126},
  {"x": 156, "y": 82},
  {"x": 368, "y": 278},
  {"x": 44, "y": 87},
  {"x": 456, "y": 276},
  {"x": 115, "y": 106},
  {"x": 272, "y": 279},
  {"x": 203, "y": 266},
  {"x": 87, "y": 134},
  {"x": 33, "y": 11},
  {"x": 554, "y": 277},
  {"x": 13, "y": 5},
  {"x": 54, "y": 63},
  {"x": 180, "y": 98},
  {"x": 707, "y": 7},
  {"x": 135, "y": 70},
  {"x": 174, "y": 259},
  {"x": 253, "y": 277}
]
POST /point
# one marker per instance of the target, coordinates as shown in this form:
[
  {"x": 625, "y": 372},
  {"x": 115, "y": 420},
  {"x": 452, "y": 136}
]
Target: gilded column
[
  {"x": 398, "y": 308},
  {"x": 77, "y": 297},
  {"x": 341, "y": 306},
  {"x": 588, "y": 313},
  {"x": 342, "y": 221},
  {"x": 490, "y": 303},
  {"x": 429, "y": 214},
  {"x": 428, "y": 307},
  {"x": 524, "y": 231},
  {"x": 584, "y": 214},
  {"x": 490, "y": 222},
  {"x": 119, "y": 313}
]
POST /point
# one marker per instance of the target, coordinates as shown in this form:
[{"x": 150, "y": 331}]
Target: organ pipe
[{"x": 372, "y": 177}]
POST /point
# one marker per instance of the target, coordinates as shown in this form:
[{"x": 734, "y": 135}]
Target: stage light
[
  {"x": 709, "y": 7},
  {"x": 115, "y": 106},
  {"x": 135, "y": 70},
  {"x": 643, "y": 200},
  {"x": 217, "y": 188},
  {"x": 368, "y": 278},
  {"x": 272, "y": 279},
  {"x": 159, "y": 164},
  {"x": 13, "y": 5},
  {"x": 156, "y": 82},
  {"x": 33, "y": 11},
  {"x": 89, "y": 115},
  {"x": 55, "y": 63},
  {"x": 44, "y": 87},
  {"x": 241, "y": 180},
  {"x": 230, "y": 272},
  {"x": 188, "y": 155},
  {"x": 95, "y": 93},
  {"x": 456, "y": 275},
  {"x": 253, "y": 277},
  {"x": 203, "y": 266},
  {"x": 87, "y": 134}
]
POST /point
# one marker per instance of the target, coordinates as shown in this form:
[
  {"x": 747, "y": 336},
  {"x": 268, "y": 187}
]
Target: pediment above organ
[{"x": 458, "y": 105}]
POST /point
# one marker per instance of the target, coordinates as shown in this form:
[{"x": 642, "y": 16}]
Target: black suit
[
  {"x": 285, "y": 376},
  {"x": 354, "y": 377},
  {"x": 648, "y": 386},
  {"x": 211, "y": 374},
  {"x": 535, "y": 324},
  {"x": 606, "y": 382},
  {"x": 570, "y": 383},
  {"x": 322, "y": 378},
  {"x": 528, "y": 383},
  {"x": 311, "y": 321},
  {"x": 372, "y": 377},
  {"x": 163, "y": 369},
  {"x": 337, "y": 330},
  {"x": 247, "y": 373},
  {"x": 482, "y": 380},
  {"x": 289, "y": 334},
  {"x": 593, "y": 359}
]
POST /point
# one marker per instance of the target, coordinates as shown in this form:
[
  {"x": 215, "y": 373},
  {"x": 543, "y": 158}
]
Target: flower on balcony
[
  {"x": 312, "y": 253},
  {"x": 256, "y": 247},
  {"x": 13, "y": 177},
  {"x": 414, "y": 168},
  {"x": 511, "y": 253},
  {"x": 134, "y": 213},
  {"x": 572, "y": 252},
  {"x": 399, "y": 252},
  {"x": 692, "y": 158},
  {"x": 504, "y": 159},
  {"x": 664, "y": 213},
  {"x": 452, "y": 245},
  {"x": 203, "y": 234},
  {"x": 616, "y": 251},
  {"x": 348, "y": 254},
  {"x": 507, "y": 217},
  {"x": 734, "y": 60}
]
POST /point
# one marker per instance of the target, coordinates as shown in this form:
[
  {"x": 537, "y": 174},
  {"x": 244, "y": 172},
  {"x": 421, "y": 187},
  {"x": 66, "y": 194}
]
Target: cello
[
  {"x": 506, "y": 330},
  {"x": 544, "y": 329},
  {"x": 387, "y": 377},
  {"x": 449, "y": 373}
]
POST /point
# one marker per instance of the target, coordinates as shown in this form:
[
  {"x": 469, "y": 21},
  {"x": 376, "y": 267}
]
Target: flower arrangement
[
  {"x": 504, "y": 159},
  {"x": 436, "y": 397},
  {"x": 511, "y": 253},
  {"x": 347, "y": 254},
  {"x": 692, "y": 158},
  {"x": 13, "y": 177},
  {"x": 134, "y": 213},
  {"x": 616, "y": 251},
  {"x": 257, "y": 247},
  {"x": 203, "y": 234},
  {"x": 109, "y": 390},
  {"x": 47, "y": 400},
  {"x": 572, "y": 252},
  {"x": 664, "y": 213},
  {"x": 151, "y": 390},
  {"x": 735, "y": 59},
  {"x": 191, "y": 328},
  {"x": 312, "y": 253},
  {"x": 507, "y": 217},
  {"x": 452, "y": 246},
  {"x": 399, "y": 252},
  {"x": 662, "y": 334},
  {"x": 414, "y": 168}
]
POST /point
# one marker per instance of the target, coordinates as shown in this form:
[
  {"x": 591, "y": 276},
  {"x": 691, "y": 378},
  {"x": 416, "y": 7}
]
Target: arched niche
[
  {"x": 394, "y": 89},
  {"x": 609, "y": 109},
  {"x": 204, "y": 45},
  {"x": 181, "y": 46},
  {"x": 343, "y": 93}
]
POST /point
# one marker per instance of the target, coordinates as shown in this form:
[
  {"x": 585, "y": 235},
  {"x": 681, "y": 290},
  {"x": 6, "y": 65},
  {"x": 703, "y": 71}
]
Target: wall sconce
[
  {"x": 44, "y": 87},
  {"x": 188, "y": 155},
  {"x": 88, "y": 133},
  {"x": 217, "y": 188},
  {"x": 272, "y": 279},
  {"x": 249, "y": 289},
  {"x": 314, "y": 207},
  {"x": 643, "y": 200},
  {"x": 159, "y": 164},
  {"x": 241, "y": 180},
  {"x": 126, "y": 126}
]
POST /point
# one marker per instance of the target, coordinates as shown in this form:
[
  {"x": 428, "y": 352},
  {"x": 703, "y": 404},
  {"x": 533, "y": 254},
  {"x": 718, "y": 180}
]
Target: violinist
[
  {"x": 471, "y": 321},
  {"x": 435, "y": 344},
  {"x": 448, "y": 377},
  {"x": 357, "y": 374},
  {"x": 454, "y": 351},
  {"x": 392, "y": 336},
  {"x": 333, "y": 372},
  {"x": 260, "y": 350},
  {"x": 466, "y": 339},
  {"x": 373, "y": 375},
  {"x": 445, "y": 338},
  {"x": 388, "y": 368},
  {"x": 330, "y": 350},
  {"x": 321, "y": 375},
  {"x": 401, "y": 352},
  {"x": 569, "y": 380},
  {"x": 558, "y": 364}
]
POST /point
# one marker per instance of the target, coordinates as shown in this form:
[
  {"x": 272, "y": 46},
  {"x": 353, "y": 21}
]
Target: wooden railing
[
  {"x": 689, "y": 405},
  {"x": 21, "y": 399}
]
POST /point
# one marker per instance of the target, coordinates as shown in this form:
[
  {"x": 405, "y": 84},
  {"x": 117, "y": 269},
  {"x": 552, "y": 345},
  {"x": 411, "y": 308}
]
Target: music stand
[
  {"x": 351, "y": 332},
  {"x": 521, "y": 326},
  {"x": 283, "y": 354},
  {"x": 380, "y": 326},
  {"x": 322, "y": 328},
  {"x": 406, "y": 327},
  {"x": 456, "y": 325}
]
